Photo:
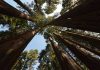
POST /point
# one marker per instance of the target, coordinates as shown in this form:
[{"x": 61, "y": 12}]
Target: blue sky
[
  {"x": 38, "y": 42},
  {"x": 11, "y": 2},
  {"x": 3, "y": 28}
]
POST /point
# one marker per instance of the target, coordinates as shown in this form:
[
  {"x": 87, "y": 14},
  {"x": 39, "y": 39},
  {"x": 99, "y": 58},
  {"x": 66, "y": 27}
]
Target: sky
[
  {"x": 38, "y": 42},
  {"x": 3, "y": 28},
  {"x": 11, "y": 2}
]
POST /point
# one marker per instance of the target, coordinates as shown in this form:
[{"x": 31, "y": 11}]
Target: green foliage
[
  {"x": 40, "y": 1},
  {"x": 15, "y": 27},
  {"x": 26, "y": 60},
  {"x": 39, "y": 19},
  {"x": 48, "y": 60},
  {"x": 50, "y": 8},
  {"x": 32, "y": 54}
]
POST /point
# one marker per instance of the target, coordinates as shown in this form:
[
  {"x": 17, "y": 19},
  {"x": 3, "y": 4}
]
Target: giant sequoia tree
[{"x": 27, "y": 20}]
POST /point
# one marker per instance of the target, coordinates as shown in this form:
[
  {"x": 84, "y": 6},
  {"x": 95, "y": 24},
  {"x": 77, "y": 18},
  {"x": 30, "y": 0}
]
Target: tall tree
[
  {"x": 90, "y": 39},
  {"x": 80, "y": 17},
  {"x": 10, "y": 50},
  {"x": 7, "y": 9},
  {"x": 90, "y": 61},
  {"x": 65, "y": 61},
  {"x": 26, "y": 60},
  {"x": 83, "y": 20}
]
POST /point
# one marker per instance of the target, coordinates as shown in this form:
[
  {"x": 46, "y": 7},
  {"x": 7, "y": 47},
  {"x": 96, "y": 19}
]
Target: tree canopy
[{"x": 72, "y": 34}]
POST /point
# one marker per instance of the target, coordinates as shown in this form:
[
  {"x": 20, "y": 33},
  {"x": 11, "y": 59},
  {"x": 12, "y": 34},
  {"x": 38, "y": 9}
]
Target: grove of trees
[{"x": 72, "y": 36}]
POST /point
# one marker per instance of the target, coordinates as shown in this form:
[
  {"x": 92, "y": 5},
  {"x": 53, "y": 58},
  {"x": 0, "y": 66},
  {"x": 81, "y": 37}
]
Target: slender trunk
[
  {"x": 24, "y": 64},
  {"x": 30, "y": 65},
  {"x": 11, "y": 49},
  {"x": 91, "y": 62},
  {"x": 38, "y": 7},
  {"x": 64, "y": 59},
  {"x": 24, "y": 6},
  {"x": 8, "y": 10}
]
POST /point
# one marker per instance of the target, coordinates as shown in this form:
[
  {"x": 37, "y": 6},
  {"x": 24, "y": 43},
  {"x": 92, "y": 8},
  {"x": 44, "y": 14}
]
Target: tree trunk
[
  {"x": 8, "y": 10},
  {"x": 84, "y": 17},
  {"x": 11, "y": 49},
  {"x": 90, "y": 39},
  {"x": 89, "y": 25},
  {"x": 24, "y": 6},
  {"x": 86, "y": 6},
  {"x": 91, "y": 62},
  {"x": 64, "y": 59},
  {"x": 30, "y": 65}
]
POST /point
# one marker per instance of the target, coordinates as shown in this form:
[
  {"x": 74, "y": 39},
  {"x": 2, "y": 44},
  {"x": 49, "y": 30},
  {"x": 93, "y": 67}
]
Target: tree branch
[
  {"x": 8, "y": 10},
  {"x": 24, "y": 6}
]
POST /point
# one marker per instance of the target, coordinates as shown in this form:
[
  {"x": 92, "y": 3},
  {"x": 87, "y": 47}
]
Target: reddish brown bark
[
  {"x": 7, "y": 9},
  {"x": 84, "y": 17},
  {"x": 91, "y": 25},
  {"x": 91, "y": 62},
  {"x": 90, "y": 39},
  {"x": 64, "y": 59},
  {"x": 11, "y": 49}
]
